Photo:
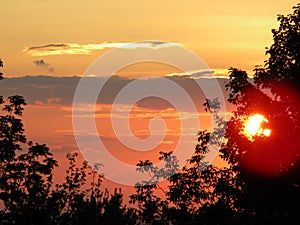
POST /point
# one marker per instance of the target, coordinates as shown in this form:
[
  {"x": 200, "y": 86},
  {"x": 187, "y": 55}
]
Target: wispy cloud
[
  {"x": 203, "y": 73},
  {"x": 53, "y": 100},
  {"x": 42, "y": 64},
  {"x": 50, "y": 101},
  {"x": 84, "y": 49}
]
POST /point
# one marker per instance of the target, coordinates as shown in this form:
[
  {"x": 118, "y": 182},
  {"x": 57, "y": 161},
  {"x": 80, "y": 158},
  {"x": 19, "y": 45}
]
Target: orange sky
[
  {"x": 223, "y": 33},
  {"x": 63, "y": 38}
]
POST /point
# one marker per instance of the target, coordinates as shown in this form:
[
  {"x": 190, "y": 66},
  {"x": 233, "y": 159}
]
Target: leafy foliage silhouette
[
  {"x": 27, "y": 191},
  {"x": 261, "y": 182}
]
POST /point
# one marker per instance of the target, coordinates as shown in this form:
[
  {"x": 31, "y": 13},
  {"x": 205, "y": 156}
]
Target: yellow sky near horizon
[{"x": 222, "y": 33}]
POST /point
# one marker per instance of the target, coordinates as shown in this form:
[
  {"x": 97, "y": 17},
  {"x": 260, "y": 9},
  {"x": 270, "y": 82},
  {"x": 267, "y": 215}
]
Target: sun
[{"x": 253, "y": 127}]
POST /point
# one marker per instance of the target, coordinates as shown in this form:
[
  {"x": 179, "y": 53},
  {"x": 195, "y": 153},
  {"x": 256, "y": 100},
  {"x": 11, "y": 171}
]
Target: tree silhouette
[
  {"x": 1, "y": 65},
  {"x": 80, "y": 203},
  {"x": 27, "y": 190},
  {"x": 260, "y": 184},
  {"x": 194, "y": 195},
  {"x": 25, "y": 177},
  {"x": 270, "y": 166}
]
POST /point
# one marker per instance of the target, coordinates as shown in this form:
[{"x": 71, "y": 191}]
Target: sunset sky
[
  {"x": 60, "y": 39},
  {"x": 222, "y": 33}
]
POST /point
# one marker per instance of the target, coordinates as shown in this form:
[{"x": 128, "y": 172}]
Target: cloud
[
  {"x": 53, "y": 100},
  {"x": 43, "y": 88},
  {"x": 49, "y": 101},
  {"x": 65, "y": 131},
  {"x": 84, "y": 49},
  {"x": 38, "y": 102},
  {"x": 42, "y": 64},
  {"x": 203, "y": 73}
]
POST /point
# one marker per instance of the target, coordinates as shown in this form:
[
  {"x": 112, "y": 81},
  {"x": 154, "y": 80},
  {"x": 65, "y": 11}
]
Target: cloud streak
[
  {"x": 204, "y": 73},
  {"x": 85, "y": 49},
  {"x": 42, "y": 88}
]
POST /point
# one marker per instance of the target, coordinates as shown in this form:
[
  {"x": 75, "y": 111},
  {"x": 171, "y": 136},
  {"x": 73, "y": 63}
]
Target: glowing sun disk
[{"x": 253, "y": 126}]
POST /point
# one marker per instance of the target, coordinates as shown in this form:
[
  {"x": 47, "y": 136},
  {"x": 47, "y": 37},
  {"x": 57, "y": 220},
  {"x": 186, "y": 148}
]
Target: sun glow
[{"x": 253, "y": 127}]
